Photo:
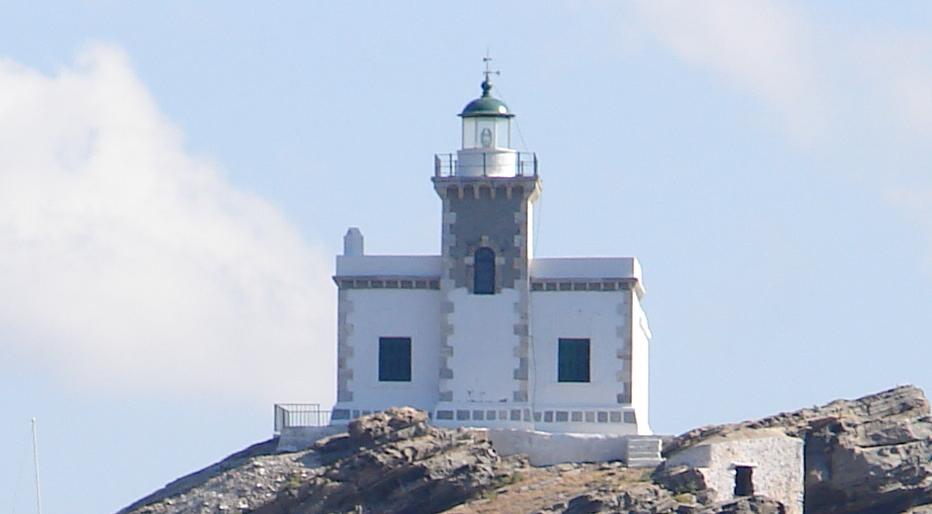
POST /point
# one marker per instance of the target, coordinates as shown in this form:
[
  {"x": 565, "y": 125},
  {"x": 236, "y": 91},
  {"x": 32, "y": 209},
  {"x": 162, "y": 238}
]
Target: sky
[{"x": 176, "y": 177}]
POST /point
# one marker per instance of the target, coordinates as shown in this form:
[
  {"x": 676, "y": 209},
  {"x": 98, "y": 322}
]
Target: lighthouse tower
[
  {"x": 488, "y": 199},
  {"x": 485, "y": 333}
]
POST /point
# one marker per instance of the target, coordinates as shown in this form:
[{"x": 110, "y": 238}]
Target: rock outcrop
[
  {"x": 247, "y": 476},
  {"x": 653, "y": 499},
  {"x": 393, "y": 462},
  {"x": 870, "y": 455},
  {"x": 388, "y": 462}
]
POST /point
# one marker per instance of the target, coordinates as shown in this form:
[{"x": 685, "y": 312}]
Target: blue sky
[{"x": 175, "y": 179}]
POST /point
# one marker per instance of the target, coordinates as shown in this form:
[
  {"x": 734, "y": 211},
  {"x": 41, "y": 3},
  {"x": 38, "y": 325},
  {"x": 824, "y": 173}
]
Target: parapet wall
[
  {"x": 546, "y": 449},
  {"x": 293, "y": 439},
  {"x": 542, "y": 448}
]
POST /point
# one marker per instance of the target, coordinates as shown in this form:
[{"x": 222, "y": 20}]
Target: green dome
[{"x": 486, "y": 105}]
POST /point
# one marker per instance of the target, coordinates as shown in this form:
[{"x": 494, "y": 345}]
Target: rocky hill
[{"x": 872, "y": 455}]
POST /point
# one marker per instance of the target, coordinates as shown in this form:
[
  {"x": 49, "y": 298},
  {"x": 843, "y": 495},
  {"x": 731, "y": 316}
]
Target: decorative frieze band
[
  {"x": 537, "y": 284},
  {"x": 493, "y": 186},
  {"x": 387, "y": 282},
  {"x": 522, "y": 415},
  {"x": 581, "y": 284},
  {"x": 544, "y": 416}
]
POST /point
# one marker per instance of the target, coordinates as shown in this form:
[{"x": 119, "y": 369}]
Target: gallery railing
[
  {"x": 289, "y": 415},
  {"x": 447, "y": 165}
]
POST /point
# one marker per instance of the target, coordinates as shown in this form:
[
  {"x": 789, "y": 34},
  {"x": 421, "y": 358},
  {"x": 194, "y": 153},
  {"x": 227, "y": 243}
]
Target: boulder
[
  {"x": 680, "y": 479},
  {"x": 750, "y": 505},
  {"x": 650, "y": 498},
  {"x": 644, "y": 497},
  {"x": 391, "y": 423}
]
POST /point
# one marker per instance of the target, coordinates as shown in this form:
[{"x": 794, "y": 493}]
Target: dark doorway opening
[
  {"x": 744, "y": 481},
  {"x": 484, "y": 272}
]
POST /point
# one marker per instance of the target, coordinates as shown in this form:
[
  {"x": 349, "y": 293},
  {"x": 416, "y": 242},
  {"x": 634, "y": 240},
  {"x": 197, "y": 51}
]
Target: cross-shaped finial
[{"x": 488, "y": 72}]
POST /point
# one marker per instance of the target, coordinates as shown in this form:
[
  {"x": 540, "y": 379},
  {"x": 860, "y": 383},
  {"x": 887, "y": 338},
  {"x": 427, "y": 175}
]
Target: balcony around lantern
[{"x": 485, "y": 163}]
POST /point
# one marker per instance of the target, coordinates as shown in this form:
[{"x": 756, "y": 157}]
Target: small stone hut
[{"x": 747, "y": 463}]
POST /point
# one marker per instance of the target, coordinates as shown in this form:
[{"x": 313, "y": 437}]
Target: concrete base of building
[
  {"x": 541, "y": 448},
  {"x": 547, "y": 449},
  {"x": 293, "y": 439}
]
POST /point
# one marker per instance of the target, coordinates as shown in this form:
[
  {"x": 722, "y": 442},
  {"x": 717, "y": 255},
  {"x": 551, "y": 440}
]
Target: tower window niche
[{"x": 484, "y": 269}]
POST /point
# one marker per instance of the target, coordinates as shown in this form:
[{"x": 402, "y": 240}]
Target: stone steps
[{"x": 643, "y": 452}]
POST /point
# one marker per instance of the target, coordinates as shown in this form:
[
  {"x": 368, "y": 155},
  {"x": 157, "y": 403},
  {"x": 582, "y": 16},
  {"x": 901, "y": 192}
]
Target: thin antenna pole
[{"x": 35, "y": 461}]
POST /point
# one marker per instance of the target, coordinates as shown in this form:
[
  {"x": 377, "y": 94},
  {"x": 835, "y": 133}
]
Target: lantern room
[
  {"x": 486, "y": 150},
  {"x": 486, "y": 121}
]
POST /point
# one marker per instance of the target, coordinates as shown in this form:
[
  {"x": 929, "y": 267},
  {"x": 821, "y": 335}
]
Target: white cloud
[
  {"x": 759, "y": 47},
  {"x": 899, "y": 77},
  {"x": 859, "y": 95},
  {"x": 828, "y": 78},
  {"x": 129, "y": 264}
]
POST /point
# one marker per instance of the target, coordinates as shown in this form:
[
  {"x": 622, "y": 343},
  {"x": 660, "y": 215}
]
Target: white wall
[
  {"x": 640, "y": 367},
  {"x": 389, "y": 265},
  {"x": 582, "y": 314},
  {"x": 483, "y": 342},
  {"x": 586, "y": 267},
  {"x": 547, "y": 449},
  {"x": 394, "y": 313}
]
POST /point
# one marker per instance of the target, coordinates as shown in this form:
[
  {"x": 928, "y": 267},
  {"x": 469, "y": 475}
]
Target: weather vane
[{"x": 488, "y": 72}]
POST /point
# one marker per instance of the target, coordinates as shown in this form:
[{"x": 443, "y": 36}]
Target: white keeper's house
[{"x": 485, "y": 334}]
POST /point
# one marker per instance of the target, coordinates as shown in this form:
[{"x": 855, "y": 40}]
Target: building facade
[{"x": 485, "y": 333}]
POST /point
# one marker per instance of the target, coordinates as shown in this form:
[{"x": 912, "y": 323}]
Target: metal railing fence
[
  {"x": 289, "y": 415},
  {"x": 446, "y": 165}
]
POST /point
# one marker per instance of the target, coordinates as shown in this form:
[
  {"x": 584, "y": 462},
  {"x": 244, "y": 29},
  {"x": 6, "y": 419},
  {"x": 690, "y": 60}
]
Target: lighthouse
[{"x": 485, "y": 333}]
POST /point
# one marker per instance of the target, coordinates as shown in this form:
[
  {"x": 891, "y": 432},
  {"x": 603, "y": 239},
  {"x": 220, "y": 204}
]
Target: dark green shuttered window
[
  {"x": 484, "y": 266},
  {"x": 573, "y": 360},
  {"x": 394, "y": 359}
]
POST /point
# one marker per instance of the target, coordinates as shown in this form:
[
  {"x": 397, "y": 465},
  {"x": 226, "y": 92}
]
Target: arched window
[{"x": 484, "y": 277}]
